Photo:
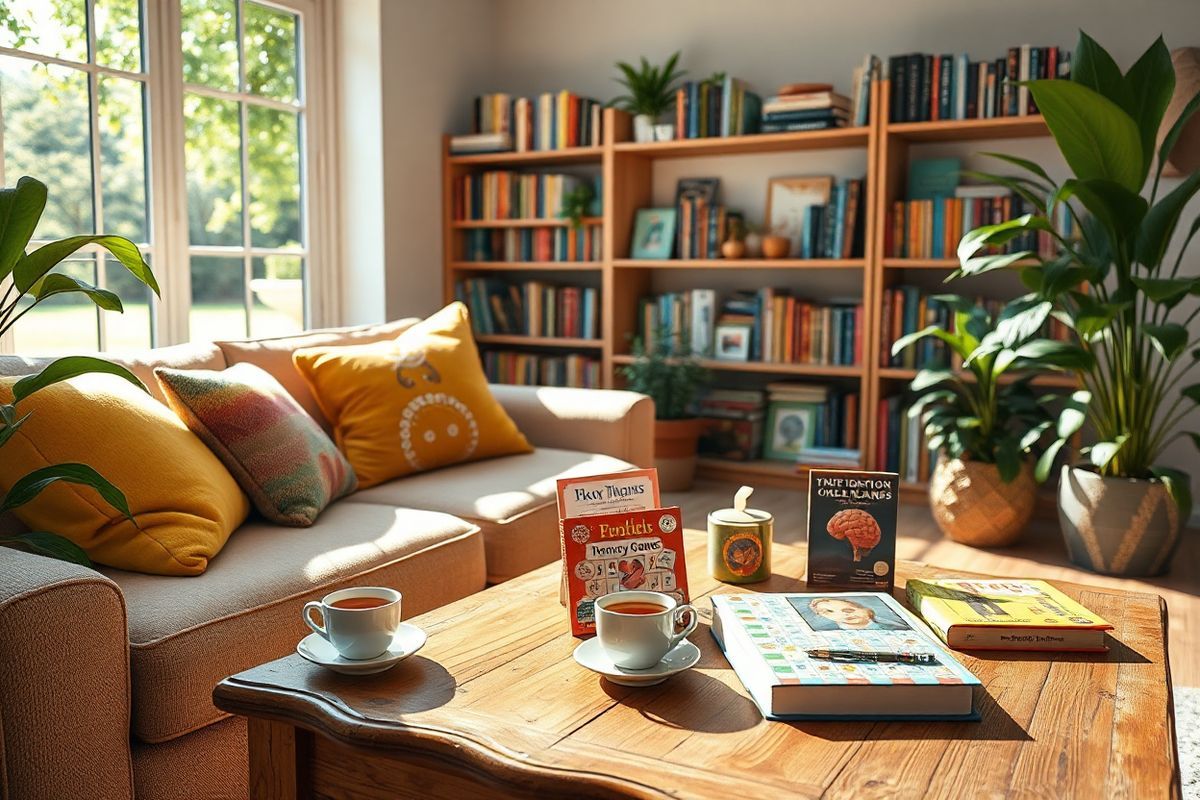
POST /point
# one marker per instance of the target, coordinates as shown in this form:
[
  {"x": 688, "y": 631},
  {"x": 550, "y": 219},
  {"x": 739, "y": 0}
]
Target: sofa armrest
[
  {"x": 64, "y": 681},
  {"x": 607, "y": 421}
]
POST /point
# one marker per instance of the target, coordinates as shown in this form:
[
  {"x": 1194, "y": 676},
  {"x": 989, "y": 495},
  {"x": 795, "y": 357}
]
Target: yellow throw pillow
[
  {"x": 184, "y": 500},
  {"x": 411, "y": 404}
]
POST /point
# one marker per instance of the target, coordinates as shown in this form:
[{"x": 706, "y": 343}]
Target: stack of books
[
  {"x": 687, "y": 318},
  {"x": 551, "y": 121},
  {"x": 534, "y": 369},
  {"x": 505, "y": 194},
  {"x": 935, "y": 87},
  {"x": 559, "y": 243},
  {"x": 811, "y": 424},
  {"x": 835, "y": 230},
  {"x": 805, "y": 107},
  {"x": 732, "y": 423},
  {"x": 901, "y": 446},
  {"x": 724, "y": 107},
  {"x": 532, "y": 308}
]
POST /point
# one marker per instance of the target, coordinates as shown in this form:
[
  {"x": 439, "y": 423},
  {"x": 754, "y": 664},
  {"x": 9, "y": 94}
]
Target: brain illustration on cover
[{"x": 857, "y": 527}]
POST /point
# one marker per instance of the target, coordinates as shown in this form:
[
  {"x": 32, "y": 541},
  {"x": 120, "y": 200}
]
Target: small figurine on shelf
[
  {"x": 753, "y": 240},
  {"x": 739, "y": 541},
  {"x": 734, "y": 247}
]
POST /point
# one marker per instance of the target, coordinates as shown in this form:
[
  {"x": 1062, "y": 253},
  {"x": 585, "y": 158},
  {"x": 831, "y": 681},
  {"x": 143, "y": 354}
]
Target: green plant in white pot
[
  {"x": 1115, "y": 286},
  {"x": 984, "y": 420},
  {"x": 651, "y": 93}
]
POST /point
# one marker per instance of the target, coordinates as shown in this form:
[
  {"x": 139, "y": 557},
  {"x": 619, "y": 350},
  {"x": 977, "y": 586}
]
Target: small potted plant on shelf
[
  {"x": 34, "y": 281},
  {"x": 577, "y": 204},
  {"x": 983, "y": 420},
  {"x": 663, "y": 370},
  {"x": 1121, "y": 508},
  {"x": 651, "y": 93}
]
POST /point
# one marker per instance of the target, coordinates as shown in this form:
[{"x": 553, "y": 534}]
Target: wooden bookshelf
[
  {"x": 551, "y": 222},
  {"x": 538, "y": 341},
  {"x": 627, "y": 172}
]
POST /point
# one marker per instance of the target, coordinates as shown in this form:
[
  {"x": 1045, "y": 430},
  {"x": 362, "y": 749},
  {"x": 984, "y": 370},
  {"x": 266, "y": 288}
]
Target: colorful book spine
[
  {"x": 534, "y": 369},
  {"x": 532, "y": 308},
  {"x": 552, "y": 121}
]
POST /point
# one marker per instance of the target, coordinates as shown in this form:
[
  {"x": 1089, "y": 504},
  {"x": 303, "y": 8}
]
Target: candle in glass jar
[{"x": 739, "y": 541}]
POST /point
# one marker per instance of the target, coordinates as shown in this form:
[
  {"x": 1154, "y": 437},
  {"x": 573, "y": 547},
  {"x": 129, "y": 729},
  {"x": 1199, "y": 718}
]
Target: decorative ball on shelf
[
  {"x": 733, "y": 249},
  {"x": 1184, "y": 158},
  {"x": 753, "y": 241},
  {"x": 775, "y": 246}
]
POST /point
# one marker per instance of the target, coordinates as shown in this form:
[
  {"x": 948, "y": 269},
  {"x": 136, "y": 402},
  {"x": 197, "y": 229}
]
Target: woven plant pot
[{"x": 973, "y": 506}]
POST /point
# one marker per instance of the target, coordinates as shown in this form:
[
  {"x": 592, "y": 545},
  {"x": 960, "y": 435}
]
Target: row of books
[
  {"x": 933, "y": 228},
  {"x": 558, "y": 243},
  {"x": 551, "y": 121},
  {"x": 506, "y": 194},
  {"x": 716, "y": 108},
  {"x": 834, "y": 230},
  {"x": 702, "y": 220},
  {"x": 535, "y": 369},
  {"x": 906, "y": 309},
  {"x": 806, "y": 424},
  {"x": 532, "y": 308},
  {"x": 926, "y": 86},
  {"x": 901, "y": 445}
]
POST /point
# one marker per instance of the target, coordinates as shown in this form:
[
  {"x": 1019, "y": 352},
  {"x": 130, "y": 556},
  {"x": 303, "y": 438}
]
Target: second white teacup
[
  {"x": 359, "y": 622},
  {"x": 636, "y": 629}
]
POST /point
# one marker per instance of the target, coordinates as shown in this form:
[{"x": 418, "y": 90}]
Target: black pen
[{"x": 867, "y": 656}]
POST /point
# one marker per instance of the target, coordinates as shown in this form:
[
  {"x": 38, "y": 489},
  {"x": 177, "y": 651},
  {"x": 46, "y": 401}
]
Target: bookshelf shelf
[
  {"x": 538, "y": 341},
  {"x": 767, "y": 367},
  {"x": 752, "y": 143},
  {"x": 569, "y": 155},
  {"x": 1049, "y": 380},
  {"x": 741, "y": 264},
  {"x": 517, "y": 266},
  {"x": 961, "y": 130},
  {"x": 551, "y": 222}
]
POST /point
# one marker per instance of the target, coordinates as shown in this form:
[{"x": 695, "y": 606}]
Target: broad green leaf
[
  {"x": 1092, "y": 316},
  {"x": 981, "y": 264},
  {"x": 1020, "y": 320},
  {"x": 938, "y": 396},
  {"x": 1168, "y": 142},
  {"x": 1156, "y": 229},
  {"x": 57, "y": 283},
  {"x": 1098, "y": 139},
  {"x": 1179, "y": 487},
  {"x": 1033, "y": 434},
  {"x": 1093, "y": 67},
  {"x": 1023, "y": 163},
  {"x": 927, "y": 378},
  {"x": 1119, "y": 209},
  {"x": 66, "y": 368},
  {"x": 1149, "y": 84},
  {"x": 32, "y": 267},
  {"x": 1073, "y": 414},
  {"x": 998, "y": 234},
  {"x": 49, "y": 544},
  {"x": 1103, "y": 452},
  {"x": 1166, "y": 291},
  {"x": 10, "y": 422},
  {"x": 953, "y": 340},
  {"x": 967, "y": 423},
  {"x": 30, "y": 486},
  {"x": 20, "y": 209},
  {"x": 1045, "y": 462},
  {"x": 1008, "y": 460},
  {"x": 1170, "y": 339},
  {"x": 1052, "y": 353}
]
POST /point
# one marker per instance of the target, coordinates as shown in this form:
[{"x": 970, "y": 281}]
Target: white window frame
[{"x": 168, "y": 244}]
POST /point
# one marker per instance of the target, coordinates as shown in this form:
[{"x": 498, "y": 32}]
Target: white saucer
[
  {"x": 408, "y": 640},
  {"x": 590, "y": 654}
]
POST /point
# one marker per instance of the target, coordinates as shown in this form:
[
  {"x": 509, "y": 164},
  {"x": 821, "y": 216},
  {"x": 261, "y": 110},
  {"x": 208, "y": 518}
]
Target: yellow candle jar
[{"x": 739, "y": 541}]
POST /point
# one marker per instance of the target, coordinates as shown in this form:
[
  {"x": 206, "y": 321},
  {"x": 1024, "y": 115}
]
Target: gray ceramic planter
[{"x": 1117, "y": 526}]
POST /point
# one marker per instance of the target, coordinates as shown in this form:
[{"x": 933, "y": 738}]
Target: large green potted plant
[
  {"x": 673, "y": 381},
  {"x": 650, "y": 94},
  {"x": 32, "y": 280},
  {"x": 1115, "y": 286},
  {"x": 984, "y": 420}
]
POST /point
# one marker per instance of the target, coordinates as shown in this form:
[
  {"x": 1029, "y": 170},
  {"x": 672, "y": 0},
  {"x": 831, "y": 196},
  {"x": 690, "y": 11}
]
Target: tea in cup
[
  {"x": 360, "y": 623},
  {"x": 636, "y": 629}
]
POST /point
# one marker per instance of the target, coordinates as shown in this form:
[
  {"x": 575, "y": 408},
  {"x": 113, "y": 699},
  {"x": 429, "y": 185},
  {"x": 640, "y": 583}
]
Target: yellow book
[{"x": 1006, "y": 614}]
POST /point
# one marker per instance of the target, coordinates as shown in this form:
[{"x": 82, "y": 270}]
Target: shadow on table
[
  {"x": 415, "y": 684},
  {"x": 995, "y": 724},
  {"x": 690, "y": 701}
]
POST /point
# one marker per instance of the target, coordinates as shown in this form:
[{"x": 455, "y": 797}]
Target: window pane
[
  {"x": 270, "y": 51},
  {"x": 274, "y": 164},
  {"x": 56, "y": 28},
  {"x": 214, "y": 168},
  {"x": 123, "y": 157},
  {"x": 218, "y": 299},
  {"x": 118, "y": 34},
  {"x": 132, "y": 329},
  {"x": 278, "y": 292},
  {"x": 47, "y": 135},
  {"x": 210, "y": 51},
  {"x": 61, "y": 324}
]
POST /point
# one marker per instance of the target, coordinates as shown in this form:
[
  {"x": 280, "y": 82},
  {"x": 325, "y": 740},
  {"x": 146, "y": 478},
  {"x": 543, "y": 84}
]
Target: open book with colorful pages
[
  {"x": 1006, "y": 614},
  {"x": 845, "y": 655}
]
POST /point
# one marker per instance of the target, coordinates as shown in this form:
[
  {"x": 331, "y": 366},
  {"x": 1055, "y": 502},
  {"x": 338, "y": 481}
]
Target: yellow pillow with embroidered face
[{"x": 413, "y": 403}]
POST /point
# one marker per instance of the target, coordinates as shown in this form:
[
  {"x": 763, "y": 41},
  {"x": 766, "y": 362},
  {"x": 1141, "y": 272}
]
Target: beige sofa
[{"x": 106, "y": 676}]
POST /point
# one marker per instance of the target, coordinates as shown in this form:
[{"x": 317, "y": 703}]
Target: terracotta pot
[
  {"x": 973, "y": 506},
  {"x": 675, "y": 453},
  {"x": 754, "y": 244},
  {"x": 1117, "y": 526},
  {"x": 776, "y": 246},
  {"x": 733, "y": 249}
]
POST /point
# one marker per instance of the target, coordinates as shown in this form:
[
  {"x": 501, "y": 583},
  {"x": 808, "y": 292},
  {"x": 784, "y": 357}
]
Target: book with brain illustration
[{"x": 852, "y": 529}]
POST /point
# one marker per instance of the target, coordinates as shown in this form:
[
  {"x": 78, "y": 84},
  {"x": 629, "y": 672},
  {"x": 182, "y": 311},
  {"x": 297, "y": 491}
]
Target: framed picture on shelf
[
  {"x": 654, "y": 233},
  {"x": 788, "y": 201},
  {"x": 791, "y": 428},
  {"x": 732, "y": 343}
]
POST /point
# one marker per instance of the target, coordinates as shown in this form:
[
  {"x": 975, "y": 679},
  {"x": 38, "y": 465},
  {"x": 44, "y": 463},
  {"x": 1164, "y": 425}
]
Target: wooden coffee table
[{"x": 495, "y": 706}]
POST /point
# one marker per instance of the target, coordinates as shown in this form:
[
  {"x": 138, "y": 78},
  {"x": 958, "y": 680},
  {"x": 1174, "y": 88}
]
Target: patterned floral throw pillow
[{"x": 279, "y": 455}]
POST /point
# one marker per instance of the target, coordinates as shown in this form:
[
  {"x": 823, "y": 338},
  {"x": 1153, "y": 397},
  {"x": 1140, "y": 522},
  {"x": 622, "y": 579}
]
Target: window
[{"x": 128, "y": 129}]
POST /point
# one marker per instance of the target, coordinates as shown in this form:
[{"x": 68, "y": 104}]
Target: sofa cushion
[
  {"x": 275, "y": 355},
  {"x": 512, "y": 498},
  {"x": 186, "y": 634}
]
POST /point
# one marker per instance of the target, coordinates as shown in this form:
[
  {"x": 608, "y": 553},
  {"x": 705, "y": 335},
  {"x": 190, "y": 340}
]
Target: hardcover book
[
  {"x": 852, "y": 529},
  {"x": 1006, "y": 614},
  {"x": 607, "y": 553},
  {"x": 782, "y": 647}
]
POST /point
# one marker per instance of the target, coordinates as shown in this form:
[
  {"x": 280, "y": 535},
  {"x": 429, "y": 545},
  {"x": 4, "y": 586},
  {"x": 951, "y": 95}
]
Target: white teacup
[
  {"x": 633, "y": 634},
  {"x": 360, "y": 623}
]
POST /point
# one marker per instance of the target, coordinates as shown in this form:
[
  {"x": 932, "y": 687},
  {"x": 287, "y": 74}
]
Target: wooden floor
[{"x": 1041, "y": 554}]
